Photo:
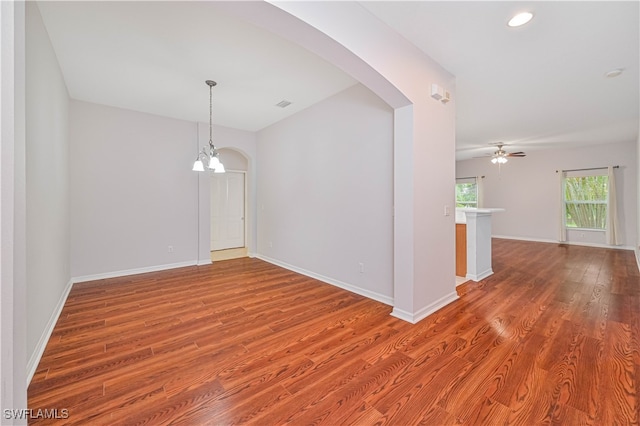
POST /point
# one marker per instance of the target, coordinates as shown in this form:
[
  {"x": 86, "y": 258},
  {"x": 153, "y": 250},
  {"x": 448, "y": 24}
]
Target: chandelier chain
[{"x": 210, "y": 114}]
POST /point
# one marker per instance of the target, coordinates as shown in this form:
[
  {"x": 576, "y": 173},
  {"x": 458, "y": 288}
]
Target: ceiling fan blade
[{"x": 516, "y": 154}]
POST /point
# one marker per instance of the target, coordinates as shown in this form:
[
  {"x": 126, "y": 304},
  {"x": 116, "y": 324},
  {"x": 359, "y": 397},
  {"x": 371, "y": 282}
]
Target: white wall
[
  {"x": 424, "y": 137},
  {"x": 325, "y": 192},
  {"x": 13, "y": 316},
  {"x": 133, "y": 193},
  {"x": 47, "y": 191},
  {"x": 637, "y": 247},
  {"x": 528, "y": 189}
]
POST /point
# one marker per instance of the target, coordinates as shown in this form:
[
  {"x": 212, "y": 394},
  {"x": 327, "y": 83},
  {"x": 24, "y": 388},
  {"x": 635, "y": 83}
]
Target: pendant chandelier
[{"x": 211, "y": 157}]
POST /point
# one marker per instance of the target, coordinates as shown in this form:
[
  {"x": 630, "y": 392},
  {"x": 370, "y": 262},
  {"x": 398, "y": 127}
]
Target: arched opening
[
  {"x": 229, "y": 207},
  {"x": 423, "y": 135}
]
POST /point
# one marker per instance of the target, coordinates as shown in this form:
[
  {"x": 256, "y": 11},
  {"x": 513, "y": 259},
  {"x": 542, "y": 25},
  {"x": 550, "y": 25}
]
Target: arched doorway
[{"x": 228, "y": 207}]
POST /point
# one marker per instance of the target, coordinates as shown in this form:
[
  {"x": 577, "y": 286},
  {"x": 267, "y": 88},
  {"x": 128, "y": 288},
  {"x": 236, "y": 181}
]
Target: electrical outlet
[
  {"x": 361, "y": 267},
  {"x": 170, "y": 249},
  {"x": 270, "y": 243}
]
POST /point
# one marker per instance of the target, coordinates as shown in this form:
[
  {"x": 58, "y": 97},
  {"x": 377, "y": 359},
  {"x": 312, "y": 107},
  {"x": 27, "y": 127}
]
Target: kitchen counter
[
  {"x": 461, "y": 216},
  {"x": 478, "y": 241}
]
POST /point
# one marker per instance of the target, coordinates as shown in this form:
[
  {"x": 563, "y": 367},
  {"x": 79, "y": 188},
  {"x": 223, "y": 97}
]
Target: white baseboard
[
  {"x": 481, "y": 276},
  {"x": 637, "y": 251},
  {"x": 357, "y": 290},
  {"x": 426, "y": 311},
  {"x": 535, "y": 240},
  {"x": 403, "y": 315},
  {"x": 136, "y": 271},
  {"x": 34, "y": 360},
  {"x": 573, "y": 243}
]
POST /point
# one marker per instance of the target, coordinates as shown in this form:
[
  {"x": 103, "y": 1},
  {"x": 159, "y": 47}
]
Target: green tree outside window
[
  {"x": 586, "y": 201},
  {"x": 466, "y": 194}
]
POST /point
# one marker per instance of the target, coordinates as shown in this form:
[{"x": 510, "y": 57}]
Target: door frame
[{"x": 246, "y": 210}]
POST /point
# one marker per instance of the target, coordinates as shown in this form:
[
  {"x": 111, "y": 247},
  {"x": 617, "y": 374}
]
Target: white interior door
[{"x": 227, "y": 210}]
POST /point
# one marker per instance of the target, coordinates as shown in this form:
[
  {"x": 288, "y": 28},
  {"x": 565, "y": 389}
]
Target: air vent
[{"x": 283, "y": 104}]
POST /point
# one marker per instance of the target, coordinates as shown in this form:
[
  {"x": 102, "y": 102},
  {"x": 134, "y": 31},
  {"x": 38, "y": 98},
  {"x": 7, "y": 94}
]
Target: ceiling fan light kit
[{"x": 500, "y": 156}]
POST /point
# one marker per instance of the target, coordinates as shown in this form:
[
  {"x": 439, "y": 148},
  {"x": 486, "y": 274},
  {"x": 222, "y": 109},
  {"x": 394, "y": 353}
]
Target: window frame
[
  {"x": 565, "y": 202},
  {"x": 466, "y": 204}
]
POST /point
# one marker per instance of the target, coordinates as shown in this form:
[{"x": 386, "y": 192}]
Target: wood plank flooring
[{"x": 551, "y": 338}]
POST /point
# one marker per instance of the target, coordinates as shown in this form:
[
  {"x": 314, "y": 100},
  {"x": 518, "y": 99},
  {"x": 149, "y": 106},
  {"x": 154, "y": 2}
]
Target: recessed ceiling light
[
  {"x": 614, "y": 73},
  {"x": 520, "y": 19}
]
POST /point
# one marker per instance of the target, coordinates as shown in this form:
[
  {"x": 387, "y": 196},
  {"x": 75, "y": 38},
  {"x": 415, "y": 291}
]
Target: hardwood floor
[{"x": 551, "y": 338}]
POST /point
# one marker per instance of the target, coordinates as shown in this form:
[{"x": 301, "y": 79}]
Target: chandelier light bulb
[
  {"x": 198, "y": 166},
  {"x": 214, "y": 162}
]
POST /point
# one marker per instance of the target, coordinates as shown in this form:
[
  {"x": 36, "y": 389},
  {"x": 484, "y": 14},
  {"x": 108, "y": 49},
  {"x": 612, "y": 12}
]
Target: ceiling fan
[{"x": 500, "y": 156}]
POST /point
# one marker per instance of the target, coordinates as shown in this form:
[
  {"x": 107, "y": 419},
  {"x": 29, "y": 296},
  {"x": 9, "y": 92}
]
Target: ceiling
[
  {"x": 156, "y": 56},
  {"x": 535, "y": 87}
]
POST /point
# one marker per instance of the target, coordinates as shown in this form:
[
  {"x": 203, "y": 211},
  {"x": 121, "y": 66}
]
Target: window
[
  {"x": 466, "y": 192},
  {"x": 585, "y": 200}
]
